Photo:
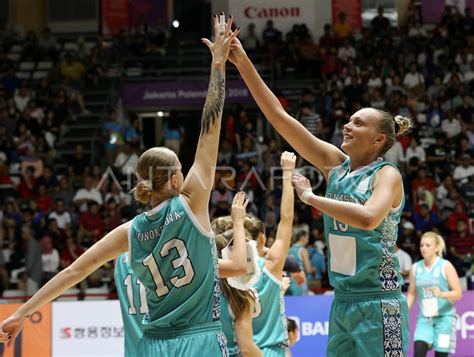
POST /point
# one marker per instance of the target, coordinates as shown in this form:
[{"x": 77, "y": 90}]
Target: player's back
[
  {"x": 269, "y": 320},
  {"x": 175, "y": 259},
  {"x": 133, "y": 304}
]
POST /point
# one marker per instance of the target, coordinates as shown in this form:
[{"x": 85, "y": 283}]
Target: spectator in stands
[
  {"x": 49, "y": 258},
  {"x": 415, "y": 150},
  {"x": 91, "y": 226},
  {"x": 467, "y": 190},
  {"x": 327, "y": 40},
  {"x": 113, "y": 132},
  {"x": 78, "y": 163},
  {"x": 309, "y": 58},
  {"x": 4, "y": 280},
  {"x": 380, "y": 24},
  {"x": 62, "y": 217},
  {"x": 33, "y": 261},
  {"x": 414, "y": 81},
  {"x": 126, "y": 161},
  {"x": 438, "y": 156},
  {"x": 65, "y": 192},
  {"x": 270, "y": 34},
  {"x": 251, "y": 39},
  {"x": 451, "y": 125},
  {"x": 462, "y": 239},
  {"x": 30, "y": 47},
  {"x": 87, "y": 195},
  {"x": 173, "y": 134},
  {"x": 425, "y": 220},
  {"x": 221, "y": 200},
  {"x": 134, "y": 132},
  {"x": 27, "y": 184},
  {"x": 310, "y": 120},
  {"x": 72, "y": 69},
  {"x": 112, "y": 216},
  {"x": 71, "y": 252},
  {"x": 342, "y": 28},
  {"x": 48, "y": 44},
  {"x": 58, "y": 235},
  {"x": 463, "y": 171},
  {"x": 43, "y": 199},
  {"x": 22, "y": 96}
]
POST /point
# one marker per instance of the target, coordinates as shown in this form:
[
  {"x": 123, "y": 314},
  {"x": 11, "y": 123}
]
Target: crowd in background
[{"x": 425, "y": 72}]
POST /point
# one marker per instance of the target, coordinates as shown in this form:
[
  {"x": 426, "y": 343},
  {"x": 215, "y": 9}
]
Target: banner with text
[
  {"x": 87, "y": 328},
  {"x": 284, "y": 14},
  {"x": 179, "y": 93}
]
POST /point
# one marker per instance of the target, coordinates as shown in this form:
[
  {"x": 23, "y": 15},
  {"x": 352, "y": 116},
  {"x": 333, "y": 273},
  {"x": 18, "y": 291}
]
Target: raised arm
[
  {"x": 321, "y": 154},
  {"x": 386, "y": 194},
  {"x": 108, "y": 248},
  {"x": 237, "y": 264},
  {"x": 200, "y": 179},
  {"x": 276, "y": 256}
]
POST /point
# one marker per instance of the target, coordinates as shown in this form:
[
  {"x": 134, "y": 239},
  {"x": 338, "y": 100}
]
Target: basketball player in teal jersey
[
  {"x": 299, "y": 252},
  {"x": 133, "y": 305},
  {"x": 269, "y": 321},
  {"x": 362, "y": 207},
  {"x": 172, "y": 249},
  {"x": 436, "y": 283},
  {"x": 132, "y": 293}
]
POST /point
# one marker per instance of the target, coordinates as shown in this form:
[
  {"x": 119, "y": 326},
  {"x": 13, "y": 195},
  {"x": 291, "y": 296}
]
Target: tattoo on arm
[{"x": 214, "y": 101}]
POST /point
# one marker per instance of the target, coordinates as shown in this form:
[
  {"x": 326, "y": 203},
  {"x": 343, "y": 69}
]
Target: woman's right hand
[
  {"x": 238, "y": 207},
  {"x": 11, "y": 327},
  {"x": 224, "y": 36}
]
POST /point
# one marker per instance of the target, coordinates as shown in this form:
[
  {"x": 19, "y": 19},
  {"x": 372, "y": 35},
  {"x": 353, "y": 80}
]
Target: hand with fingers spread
[
  {"x": 11, "y": 327},
  {"x": 239, "y": 206},
  {"x": 224, "y": 36},
  {"x": 302, "y": 186}
]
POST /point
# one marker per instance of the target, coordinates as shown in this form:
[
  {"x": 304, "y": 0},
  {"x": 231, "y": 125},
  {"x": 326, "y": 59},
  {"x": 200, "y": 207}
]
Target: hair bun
[
  {"x": 143, "y": 191},
  {"x": 402, "y": 125}
]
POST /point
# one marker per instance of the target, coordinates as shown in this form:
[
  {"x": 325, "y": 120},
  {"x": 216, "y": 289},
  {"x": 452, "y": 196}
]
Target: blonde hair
[
  {"x": 240, "y": 301},
  {"x": 221, "y": 224},
  {"x": 392, "y": 127},
  {"x": 154, "y": 168},
  {"x": 254, "y": 226},
  {"x": 439, "y": 241}
]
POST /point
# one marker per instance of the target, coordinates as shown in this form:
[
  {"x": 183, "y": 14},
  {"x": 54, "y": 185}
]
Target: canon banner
[
  {"x": 284, "y": 14},
  {"x": 156, "y": 95}
]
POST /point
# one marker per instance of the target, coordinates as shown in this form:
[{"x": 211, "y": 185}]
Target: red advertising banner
[
  {"x": 352, "y": 9},
  {"x": 115, "y": 16}
]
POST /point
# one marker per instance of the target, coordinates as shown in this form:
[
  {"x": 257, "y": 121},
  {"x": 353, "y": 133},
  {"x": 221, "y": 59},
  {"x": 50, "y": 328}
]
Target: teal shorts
[
  {"x": 368, "y": 325},
  {"x": 439, "y": 332},
  {"x": 195, "y": 341},
  {"x": 274, "y": 351}
]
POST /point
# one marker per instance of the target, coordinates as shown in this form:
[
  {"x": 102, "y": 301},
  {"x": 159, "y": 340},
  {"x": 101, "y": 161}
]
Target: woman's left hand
[{"x": 300, "y": 184}]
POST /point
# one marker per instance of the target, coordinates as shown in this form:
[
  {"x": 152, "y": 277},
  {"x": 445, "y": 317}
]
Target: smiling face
[{"x": 361, "y": 133}]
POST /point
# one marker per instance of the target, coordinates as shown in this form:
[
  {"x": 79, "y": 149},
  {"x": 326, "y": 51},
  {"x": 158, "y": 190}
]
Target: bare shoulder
[{"x": 388, "y": 175}]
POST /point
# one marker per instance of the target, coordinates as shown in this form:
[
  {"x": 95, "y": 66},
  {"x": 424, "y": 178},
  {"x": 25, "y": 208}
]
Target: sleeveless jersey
[
  {"x": 295, "y": 289},
  {"x": 269, "y": 319},
  {"x": 228, "y": 327},
  {"x": 133, "y": 304},
  {"x": 429, "y": 304},
  {"x": 176, "y": 260},
  {"x": 360, "y": 260}
]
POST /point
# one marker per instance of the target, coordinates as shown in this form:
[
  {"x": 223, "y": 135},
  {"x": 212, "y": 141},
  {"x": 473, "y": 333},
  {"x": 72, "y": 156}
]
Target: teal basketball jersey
[
  {"x": 295, "y": 289},
  {"x": 133, "y": 304},
  {"x": 176, "y": 260},
  {"x": 359, "y": 260},
  {"x": 269, "y": 319},
  {"x": 228, "y": 327},
  {"x": 429, "y": 304}
]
